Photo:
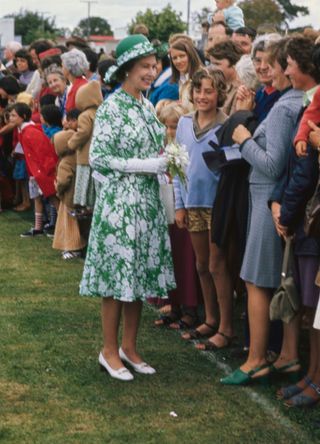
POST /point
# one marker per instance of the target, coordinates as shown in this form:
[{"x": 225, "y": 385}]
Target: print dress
[{"x": 129, "y": 256}]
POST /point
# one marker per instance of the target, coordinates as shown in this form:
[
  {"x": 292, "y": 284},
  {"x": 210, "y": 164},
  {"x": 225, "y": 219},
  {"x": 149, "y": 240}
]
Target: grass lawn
[{"x": 51, "y": 389}]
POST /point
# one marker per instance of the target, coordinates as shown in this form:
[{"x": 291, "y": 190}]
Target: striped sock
[{"x": 38, "y": 221}]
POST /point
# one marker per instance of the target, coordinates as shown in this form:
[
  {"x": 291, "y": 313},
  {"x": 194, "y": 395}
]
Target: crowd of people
[{"x": 82, "y": 144}]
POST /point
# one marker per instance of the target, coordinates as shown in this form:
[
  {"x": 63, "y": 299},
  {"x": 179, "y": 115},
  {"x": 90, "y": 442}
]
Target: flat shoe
[
  {"x": 122, "y": 373},
  {"x": 142, "y": 367}
]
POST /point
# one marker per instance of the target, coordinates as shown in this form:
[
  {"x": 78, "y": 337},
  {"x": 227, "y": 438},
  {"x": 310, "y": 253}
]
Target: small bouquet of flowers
[{"x": 178, "y": 160}]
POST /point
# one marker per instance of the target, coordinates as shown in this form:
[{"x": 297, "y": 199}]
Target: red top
[
  {"x": 41, "y": 158},
  {"x": 71, "y": 98},
  {"x": 311, "y": 113}
]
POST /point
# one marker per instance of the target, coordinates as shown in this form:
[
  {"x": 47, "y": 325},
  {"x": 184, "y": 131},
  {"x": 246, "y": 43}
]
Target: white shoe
[
  {"x": 122, "y": 373},
  {"x": 143, "y": 367}
]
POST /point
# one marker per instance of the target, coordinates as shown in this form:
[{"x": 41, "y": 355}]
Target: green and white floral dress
[{"x": 129, "y": 255}]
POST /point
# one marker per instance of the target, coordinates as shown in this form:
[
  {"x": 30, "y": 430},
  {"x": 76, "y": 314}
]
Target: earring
[{"x": 127, "y": 74}]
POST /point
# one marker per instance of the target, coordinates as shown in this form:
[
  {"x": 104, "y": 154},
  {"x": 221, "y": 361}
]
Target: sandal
[
  {"x": 302, "y": 400},
  {"x": 167, "y": 319},
  {"x": 292, "y": 390},
  {"x": 196, "y": 334},
  {"x": 210, "y": 346},
  {"x": 184, "y": 322}
]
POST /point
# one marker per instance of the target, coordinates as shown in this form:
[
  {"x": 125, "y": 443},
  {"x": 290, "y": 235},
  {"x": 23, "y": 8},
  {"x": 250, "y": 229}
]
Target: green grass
[{"x": 51, "y": 390}]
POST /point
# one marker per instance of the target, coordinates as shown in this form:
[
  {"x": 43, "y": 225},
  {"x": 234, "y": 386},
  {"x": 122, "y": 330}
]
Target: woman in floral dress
[{"x": 128, "y": 256}]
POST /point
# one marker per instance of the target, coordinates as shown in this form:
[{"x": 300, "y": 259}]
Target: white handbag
[{"x": 167, "y": 197}]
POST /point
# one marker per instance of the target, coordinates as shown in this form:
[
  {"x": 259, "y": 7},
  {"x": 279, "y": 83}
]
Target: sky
[{"x": 68, "y": 13}]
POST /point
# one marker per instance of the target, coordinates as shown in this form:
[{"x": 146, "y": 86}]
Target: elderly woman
[
  {"x": 74, "y": 65},
  {"x": 262, "y": 100},
  {"x": 267, "y": 153},
  {"x": 58, "y": 84},
  {"x": 128, "y": 255},
  {"x": 9, "y": 52}
]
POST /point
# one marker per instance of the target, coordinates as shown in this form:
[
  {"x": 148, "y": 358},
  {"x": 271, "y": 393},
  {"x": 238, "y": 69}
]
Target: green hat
[{"x": 130, "y": 48}]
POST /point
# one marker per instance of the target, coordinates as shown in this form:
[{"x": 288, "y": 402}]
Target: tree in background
[
  {"x": 93, "y": 26},
  {"x": 275, "y": 12},
  {"x": 258, "y": 12},
  {"x": 33, "y": 25},
  {"x": 161, "y": 24},
  {"x": 291, "y": 11}
]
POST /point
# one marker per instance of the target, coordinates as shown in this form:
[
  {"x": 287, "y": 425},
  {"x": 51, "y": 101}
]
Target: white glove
[{"x": 156, "y": 165}]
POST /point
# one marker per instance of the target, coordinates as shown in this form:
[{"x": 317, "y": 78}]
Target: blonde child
[
  {"x": 229, "y": 13},
  {"x": 184, "y": 299}
]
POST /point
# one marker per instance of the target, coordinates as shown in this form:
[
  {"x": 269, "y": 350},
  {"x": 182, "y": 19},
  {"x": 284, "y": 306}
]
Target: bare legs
[
  {"x": 131, "y": 320},
  {"x": 202, "y": 248},
  {"x": 215, "y": 283},
  {"x": 258, "y": 310},
  {"x": 289, "y": 349},
  {"x": 314, "y": 362},
  {"x": 224, "y": 288},
  {"x": 110, "y": 315}
]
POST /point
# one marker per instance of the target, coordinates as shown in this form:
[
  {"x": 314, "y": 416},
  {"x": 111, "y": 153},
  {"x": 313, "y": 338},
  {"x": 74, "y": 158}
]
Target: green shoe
[{"x": 238, "y": 377}]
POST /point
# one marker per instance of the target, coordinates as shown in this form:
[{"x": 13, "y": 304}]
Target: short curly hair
[
  {"x": 218, "y": 82},
  {"x": 228, "y": 50},
  {"x": 75, "y": 62},
  {"x": 300, "y": 49}
]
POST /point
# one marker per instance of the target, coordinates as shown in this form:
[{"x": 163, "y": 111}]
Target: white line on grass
[{"x": 252, "y": 394}]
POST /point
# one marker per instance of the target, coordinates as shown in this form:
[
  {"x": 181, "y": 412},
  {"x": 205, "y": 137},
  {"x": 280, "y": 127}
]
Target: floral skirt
[{"x": 129, "y": 254}]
